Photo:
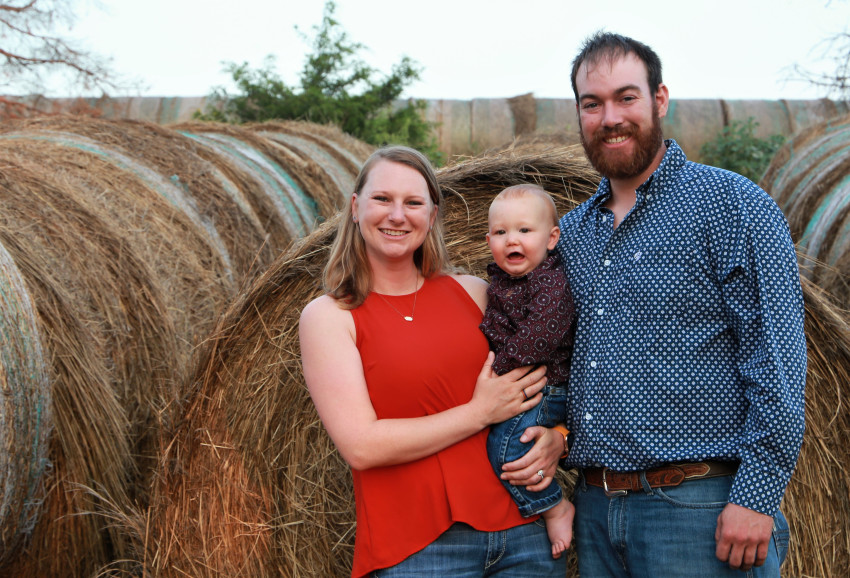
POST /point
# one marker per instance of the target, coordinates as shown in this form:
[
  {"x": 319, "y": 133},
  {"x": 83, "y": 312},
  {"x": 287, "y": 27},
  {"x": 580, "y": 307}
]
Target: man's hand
[{"x": 742, "y": 536}]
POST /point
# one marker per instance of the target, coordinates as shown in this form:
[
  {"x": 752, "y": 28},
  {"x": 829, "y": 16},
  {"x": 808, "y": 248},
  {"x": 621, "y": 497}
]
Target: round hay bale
[
  {"x": 219, "y": 203},
  {"x": 346, "y": 149},
  {"x": 192, "y": 277},
  {"x": 340, "y": 162},
  {"x": 817, "y": 502},
  {"x": 112, "y": 350},
  {"x": 810, "y": 179},
  {"x": 524, "y": 109},
  {"x": 25, "y": 410},
  {"x": 293, "y": 187},
  {"x": 167, "y": 188},
  {"x": 131, "y": 237},
  {"x": 125, "y": 282}
]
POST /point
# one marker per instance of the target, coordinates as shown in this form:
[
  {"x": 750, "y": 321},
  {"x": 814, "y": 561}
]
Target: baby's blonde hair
[{"x": 516, "y": 191}]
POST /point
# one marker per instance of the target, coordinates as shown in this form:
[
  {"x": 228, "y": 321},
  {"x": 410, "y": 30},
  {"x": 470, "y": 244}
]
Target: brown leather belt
[{"x": 661, "y": 477}]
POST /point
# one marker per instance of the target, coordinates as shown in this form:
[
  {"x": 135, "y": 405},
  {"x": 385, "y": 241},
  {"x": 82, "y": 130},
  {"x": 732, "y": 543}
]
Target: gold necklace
[{"x": 415, "y": 293}]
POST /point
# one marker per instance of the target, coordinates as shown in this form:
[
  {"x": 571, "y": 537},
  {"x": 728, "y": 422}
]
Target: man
[{"x": 686, "y": 393}]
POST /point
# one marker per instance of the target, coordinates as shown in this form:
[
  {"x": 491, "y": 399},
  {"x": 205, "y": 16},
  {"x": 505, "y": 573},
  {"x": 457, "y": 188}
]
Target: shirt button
[
  {"x": 587, "y": 416},
  {"x": 604, "y": 218},
  {"x": 648, "y": 197},
  {"x": 592, "y": 364},
  {"x": 600, "y": 311},
  {"x": 606, "y": 262}
]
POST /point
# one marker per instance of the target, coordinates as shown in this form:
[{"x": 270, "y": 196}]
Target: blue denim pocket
[
  {"x": 712, "y": 493},
  {"x": 781, "y": 536}
]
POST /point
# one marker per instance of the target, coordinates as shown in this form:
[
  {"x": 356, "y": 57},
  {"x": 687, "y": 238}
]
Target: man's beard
[{"x": 610, "y": 163}]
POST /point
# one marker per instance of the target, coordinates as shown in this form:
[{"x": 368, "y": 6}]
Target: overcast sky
[{"x": 732, "y": 49}]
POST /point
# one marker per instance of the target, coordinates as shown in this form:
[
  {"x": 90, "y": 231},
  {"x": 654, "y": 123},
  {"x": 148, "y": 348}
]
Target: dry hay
[
  {"x": 298, "y": 193},
  {"x": 817, "y": 502},
  {"x": 25, "y": 407},
  {"x": 470, "y": 184},
  {"x": 346, "y": 148},
  {"x": 524, "y": 110},
  {"x": 108, "y": 287},
  {"x": 83, "y": 319},
  {"x": 111, "y": 265},
  {"x": 188, "y": 269},
  {"x": 810, "y": 179},
  {"x": 130, "y": 238},
  {"x": 220, "y": 203},
  {"x": 330, "y": 148}
]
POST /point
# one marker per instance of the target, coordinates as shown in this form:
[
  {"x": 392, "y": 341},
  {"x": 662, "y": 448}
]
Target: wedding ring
[{"x": 525, "y": 395}]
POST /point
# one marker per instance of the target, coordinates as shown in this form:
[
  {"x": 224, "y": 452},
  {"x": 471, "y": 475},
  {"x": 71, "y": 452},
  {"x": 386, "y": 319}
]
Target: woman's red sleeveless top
[{"x": 416, "y": 368}]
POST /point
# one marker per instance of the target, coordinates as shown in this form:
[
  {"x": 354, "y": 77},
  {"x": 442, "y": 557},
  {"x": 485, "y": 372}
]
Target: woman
[{"x": 400, "y": 376}]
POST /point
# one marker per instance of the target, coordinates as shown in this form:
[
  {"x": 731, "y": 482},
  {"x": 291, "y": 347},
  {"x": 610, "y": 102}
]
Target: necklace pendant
[{"x": 408, "y": 318}]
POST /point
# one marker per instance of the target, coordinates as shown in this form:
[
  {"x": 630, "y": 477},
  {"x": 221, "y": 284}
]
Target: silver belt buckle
[{"x": 610, "y": 493}]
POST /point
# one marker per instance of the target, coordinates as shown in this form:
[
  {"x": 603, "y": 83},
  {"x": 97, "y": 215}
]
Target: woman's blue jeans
[
  {"x": 503, "y": 446},
  {"x": 464, "y": 552},
  {"x": 662, "y": 532}
]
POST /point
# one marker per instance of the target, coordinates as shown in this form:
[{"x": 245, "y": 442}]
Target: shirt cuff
[{"x": 758, "y": 489}]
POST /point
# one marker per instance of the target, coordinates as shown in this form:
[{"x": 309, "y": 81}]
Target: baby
[{"x": 529, "y": 321}]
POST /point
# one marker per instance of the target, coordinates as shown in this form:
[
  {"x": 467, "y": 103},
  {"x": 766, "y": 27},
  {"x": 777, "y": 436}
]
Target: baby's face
[{"x": 521, "y": 233}]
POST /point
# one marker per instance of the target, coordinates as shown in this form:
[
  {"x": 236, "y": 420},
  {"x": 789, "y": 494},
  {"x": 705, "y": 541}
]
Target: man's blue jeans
[
  {"x": 662, "y": 532},
  {"x": 464, "y": 552},
  {"x": 503, "y": 446}
]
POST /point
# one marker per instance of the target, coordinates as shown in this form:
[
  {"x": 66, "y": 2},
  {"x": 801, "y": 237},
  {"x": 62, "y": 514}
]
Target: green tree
[
  {"x": 335, "y": 86},
  {"x": 736, "y": 148}
]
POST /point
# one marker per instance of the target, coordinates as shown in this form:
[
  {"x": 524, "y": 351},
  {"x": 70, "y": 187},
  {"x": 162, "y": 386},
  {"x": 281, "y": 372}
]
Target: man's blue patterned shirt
[{"x": 690, "y": 341}]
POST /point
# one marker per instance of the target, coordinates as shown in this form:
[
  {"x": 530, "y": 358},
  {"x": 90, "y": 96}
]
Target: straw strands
[
  {"x": 817, "y": 502},
  {"x": 251, "y": 485},
  {"x": 25, "y": 419},
  {"x": 97, "y": 329},
  {"x": 168, "y": 162},
  {"x": 129, "y": 240},
  {"x": 810, "y": 179},
  {"x": 283, "y": 176}
]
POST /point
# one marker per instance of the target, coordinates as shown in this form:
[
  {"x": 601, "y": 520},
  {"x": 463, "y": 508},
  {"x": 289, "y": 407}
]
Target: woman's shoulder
[
  {"x": 324, "y": 321},
  {"x": 321, "y": 309},
  {"x": 474, "y": 286},
  {"x": 469, "y": 281}
]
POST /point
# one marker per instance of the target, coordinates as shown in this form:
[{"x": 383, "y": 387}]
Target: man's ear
[{"x": 662, "y": 99}]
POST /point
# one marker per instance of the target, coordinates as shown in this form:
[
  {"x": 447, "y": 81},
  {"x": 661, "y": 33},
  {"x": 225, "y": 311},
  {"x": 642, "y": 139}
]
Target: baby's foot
[{"x": 559, "y": 526}]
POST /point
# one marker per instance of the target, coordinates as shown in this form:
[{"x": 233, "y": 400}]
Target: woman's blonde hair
[{"x": 348, "y": 276}]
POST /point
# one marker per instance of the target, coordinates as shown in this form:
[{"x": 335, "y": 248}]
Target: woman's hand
[
  {"x": 543, "y": 456},
  {"x": 498, "y": 398}
]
